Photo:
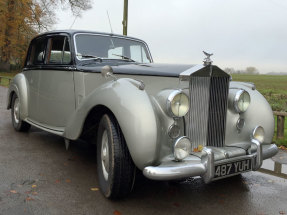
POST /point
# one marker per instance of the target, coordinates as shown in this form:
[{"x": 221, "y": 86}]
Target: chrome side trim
[{"x": 55, "y": 130}]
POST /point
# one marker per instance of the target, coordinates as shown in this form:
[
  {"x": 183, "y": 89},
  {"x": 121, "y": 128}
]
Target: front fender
[
  {"x": 19, "y": 86},
  {"x": 134, "y": 112},
  {"x": 259, "y": 113}
]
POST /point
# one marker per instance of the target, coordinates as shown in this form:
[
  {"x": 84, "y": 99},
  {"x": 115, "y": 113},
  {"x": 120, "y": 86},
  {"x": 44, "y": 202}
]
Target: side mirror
[{"x": 107, "y": 71}]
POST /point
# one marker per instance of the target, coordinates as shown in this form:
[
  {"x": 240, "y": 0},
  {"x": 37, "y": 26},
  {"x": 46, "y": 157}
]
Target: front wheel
[
  {"x": 116, "y": 170},
  {"x": 18, "y": 124}
]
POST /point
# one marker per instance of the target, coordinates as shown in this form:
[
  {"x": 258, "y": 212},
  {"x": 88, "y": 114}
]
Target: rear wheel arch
[{"x": 17, "y": 122}]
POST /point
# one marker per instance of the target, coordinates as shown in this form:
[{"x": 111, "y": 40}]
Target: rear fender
[{"x": 19, "y": 86}]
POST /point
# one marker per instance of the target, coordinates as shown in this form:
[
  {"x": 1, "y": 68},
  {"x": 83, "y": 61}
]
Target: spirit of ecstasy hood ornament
[{"x": 207, "y": 61}]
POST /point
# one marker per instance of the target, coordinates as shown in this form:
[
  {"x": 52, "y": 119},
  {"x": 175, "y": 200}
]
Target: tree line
[
  {"x": 21, "y": 20},
  {"x": 249, "y": 70}
]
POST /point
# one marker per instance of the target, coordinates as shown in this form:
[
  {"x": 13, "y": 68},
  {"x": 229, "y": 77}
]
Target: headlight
[
  {"x": 182, "y": 148},
  {"x": 241, "y": 101},
  {"x": 177, "y": 104},
  {"x": 258, "y": 134}
]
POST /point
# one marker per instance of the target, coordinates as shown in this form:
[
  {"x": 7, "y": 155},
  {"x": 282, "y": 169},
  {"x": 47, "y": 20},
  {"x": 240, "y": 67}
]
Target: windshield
[{"x": 89, "y": 46}]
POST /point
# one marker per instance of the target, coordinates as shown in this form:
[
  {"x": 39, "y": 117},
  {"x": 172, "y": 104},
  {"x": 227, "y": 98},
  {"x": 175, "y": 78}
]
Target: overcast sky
[{"x": 240, "y": 33}]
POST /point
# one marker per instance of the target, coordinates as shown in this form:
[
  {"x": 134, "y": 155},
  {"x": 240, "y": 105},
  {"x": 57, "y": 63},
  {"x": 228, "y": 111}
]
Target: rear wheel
[
  {"x": 18, "y": 124},
  {"x": 116, "y": 170}
]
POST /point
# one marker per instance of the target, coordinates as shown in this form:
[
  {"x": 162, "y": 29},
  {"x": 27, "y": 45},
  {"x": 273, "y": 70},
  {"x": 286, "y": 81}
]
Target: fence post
[
  {"x": 280, "y": 127},
  {"x": 277, "y": 167}
]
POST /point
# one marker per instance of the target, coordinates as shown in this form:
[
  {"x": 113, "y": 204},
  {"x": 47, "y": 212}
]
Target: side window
[
  {"x": 66, "y": 52},
  {"x": 37, "y": 52},
  {"x": 58, "y": 51}
]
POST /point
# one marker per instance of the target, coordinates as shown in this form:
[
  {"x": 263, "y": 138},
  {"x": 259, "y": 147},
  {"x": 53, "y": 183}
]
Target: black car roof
[{"x": 72, "y": 32}]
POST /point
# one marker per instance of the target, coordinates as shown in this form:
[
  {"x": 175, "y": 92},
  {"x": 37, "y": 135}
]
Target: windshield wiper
[
  {"x": 91, "y": 56},
  {"x": 125, "y": 57}
]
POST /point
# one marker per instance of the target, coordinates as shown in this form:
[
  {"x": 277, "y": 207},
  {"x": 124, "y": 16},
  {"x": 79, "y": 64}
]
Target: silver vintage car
[{"x": 169, "y": 121}]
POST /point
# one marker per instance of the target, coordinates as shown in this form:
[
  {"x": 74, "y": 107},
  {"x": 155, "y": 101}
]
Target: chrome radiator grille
[{"x": 208, "y": 106}]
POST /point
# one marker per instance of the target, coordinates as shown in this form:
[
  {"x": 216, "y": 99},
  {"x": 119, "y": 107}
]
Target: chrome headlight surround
[
  {"x": 258, "y": 134},
  {"x": 173, "y": 131},
  {"x": 177, "y": 100},
  {"x": 241, "y": 101}
]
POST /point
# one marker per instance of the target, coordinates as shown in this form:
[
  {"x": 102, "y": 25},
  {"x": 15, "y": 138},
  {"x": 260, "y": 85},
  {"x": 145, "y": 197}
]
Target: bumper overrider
[{"x": 204, "y": 164}]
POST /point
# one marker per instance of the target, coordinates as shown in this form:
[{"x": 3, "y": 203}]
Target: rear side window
[
  {"x": 58, "y": 51},
  {"x": 37, "y": 52}
]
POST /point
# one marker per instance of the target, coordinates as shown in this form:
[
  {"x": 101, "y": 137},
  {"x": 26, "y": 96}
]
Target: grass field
[
  {"x": 284, "y": 141},
  {"x": 273, "y": 87},
  {"x": 4, "y": 81}
]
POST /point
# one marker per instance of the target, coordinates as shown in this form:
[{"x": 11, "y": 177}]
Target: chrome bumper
[{"x": 204, "y": 165}]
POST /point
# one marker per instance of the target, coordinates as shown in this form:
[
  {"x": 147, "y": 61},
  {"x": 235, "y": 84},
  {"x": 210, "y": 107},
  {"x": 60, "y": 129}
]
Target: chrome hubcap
[
  {"x": 105, "y": 155},
  {"x": 16, "y": 110}
]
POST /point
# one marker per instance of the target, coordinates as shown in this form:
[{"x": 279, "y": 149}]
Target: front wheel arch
[
  {"x": 10, "y": 96},
  {"x": 134, "y": 111},
  {"x": 92, "y": 121}
]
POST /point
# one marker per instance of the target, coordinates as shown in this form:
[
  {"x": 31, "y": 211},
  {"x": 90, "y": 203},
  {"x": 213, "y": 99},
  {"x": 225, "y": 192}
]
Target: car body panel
[
  {"x": 56, "y": 97},
  {"x": 33, "y": 83}
]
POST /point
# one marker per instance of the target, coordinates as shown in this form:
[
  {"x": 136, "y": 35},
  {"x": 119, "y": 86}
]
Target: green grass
[
  {"x": 273, "y": 88},
  {"x": 282, "y": 142},
  {"x": 5, "y": 82}
]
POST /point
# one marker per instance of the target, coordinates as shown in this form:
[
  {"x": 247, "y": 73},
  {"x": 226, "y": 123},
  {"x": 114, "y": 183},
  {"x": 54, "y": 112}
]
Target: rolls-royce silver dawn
[{"x": 170, "y": 121}]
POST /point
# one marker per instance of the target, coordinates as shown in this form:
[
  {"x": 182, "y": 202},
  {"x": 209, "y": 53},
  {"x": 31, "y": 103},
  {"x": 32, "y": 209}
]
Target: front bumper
[{"x": 204, "y": 164}]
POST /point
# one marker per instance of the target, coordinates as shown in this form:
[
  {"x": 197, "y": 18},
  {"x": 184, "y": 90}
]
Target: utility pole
[{"x": 125, "y": 20}]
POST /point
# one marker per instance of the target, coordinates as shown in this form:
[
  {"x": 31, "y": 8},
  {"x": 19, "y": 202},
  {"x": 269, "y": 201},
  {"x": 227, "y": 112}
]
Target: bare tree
[
  {"x": 251, "y": 70},
  {"x": 229, "y": 70}
]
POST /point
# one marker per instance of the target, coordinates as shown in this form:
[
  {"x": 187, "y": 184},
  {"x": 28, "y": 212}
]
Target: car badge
[{"x": 207, "y": 61}]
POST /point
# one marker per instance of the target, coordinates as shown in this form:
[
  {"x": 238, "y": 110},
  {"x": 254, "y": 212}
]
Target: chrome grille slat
[
  {"x": 217, "y": 111},
  {"x": 198, "y": 118},
  {"x": 208, "y": 107}
]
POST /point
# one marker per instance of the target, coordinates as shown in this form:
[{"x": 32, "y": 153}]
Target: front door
[
  {"x": 56, "y": 99},
  {"x": 32, "y": 70}
]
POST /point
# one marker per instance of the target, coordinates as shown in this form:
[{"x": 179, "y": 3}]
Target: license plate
[{"x": 232, "y": 168}]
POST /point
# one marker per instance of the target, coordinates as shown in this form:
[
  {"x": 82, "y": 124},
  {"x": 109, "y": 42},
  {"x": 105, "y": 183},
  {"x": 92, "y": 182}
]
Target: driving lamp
[
  {"x": 258, "y": 133},
  {"x": 173, "y": 131},
  {"x": 241, "y": 101},
  {"x": 182, "y": 148},
  {"x": 177, "y": 104}
]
